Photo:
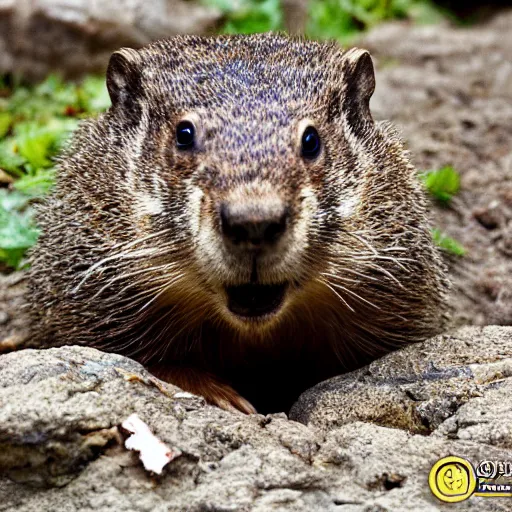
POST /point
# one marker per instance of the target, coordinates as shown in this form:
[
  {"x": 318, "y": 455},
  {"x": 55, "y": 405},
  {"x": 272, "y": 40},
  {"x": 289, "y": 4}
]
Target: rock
[
  {"x": 420, "y": 387},
  {"x": 62, "y": 448},
  {"x": 74, "y": 37}
]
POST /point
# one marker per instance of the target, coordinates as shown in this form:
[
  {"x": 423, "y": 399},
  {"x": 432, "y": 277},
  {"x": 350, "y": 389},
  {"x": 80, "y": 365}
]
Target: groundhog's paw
[
  {"x": 228, "y": 399},
  {"x": 205, "y": 384},
  {"x": 11, "y": 343}
]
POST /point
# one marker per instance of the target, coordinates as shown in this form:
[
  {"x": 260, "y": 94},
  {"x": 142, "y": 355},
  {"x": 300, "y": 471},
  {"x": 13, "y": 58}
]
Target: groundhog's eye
[
  {"x": 185, "y": 132},
  {"x": 310, "y": 143}
]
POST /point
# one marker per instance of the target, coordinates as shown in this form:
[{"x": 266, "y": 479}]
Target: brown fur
[{"x": 131, "y": 258}]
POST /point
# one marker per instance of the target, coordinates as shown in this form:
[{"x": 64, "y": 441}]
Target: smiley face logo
[{"x": 452, "y": 479}]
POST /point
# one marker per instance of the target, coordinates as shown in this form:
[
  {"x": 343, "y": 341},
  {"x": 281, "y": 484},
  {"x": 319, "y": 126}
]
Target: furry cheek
[
  {"x": 347, "y": 207},
  {"x": 195, "y": 195}
]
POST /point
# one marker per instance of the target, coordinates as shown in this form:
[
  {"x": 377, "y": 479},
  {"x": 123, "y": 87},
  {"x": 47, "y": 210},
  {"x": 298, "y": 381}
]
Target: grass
[
  {"x": 35, "y": 123},
  {"x": 342, "y": 20},
  {"x": 448, "y": 244},
  {"x": 442, "y": 184}
]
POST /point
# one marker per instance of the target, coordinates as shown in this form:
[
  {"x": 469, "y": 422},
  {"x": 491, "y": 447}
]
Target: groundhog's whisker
[
  {"x": 129, "y": 302},
  {"x": 124, "y": 255},
  {"x": 348, "y": 290},
  {"x": 359, "y": 236},
  {"x": 161, "y": 349},
  {"x": 122, "y": 277},
  {"x": 163, "y": 290},
  {"x": 362, "y": 240},
  {"x": 395, "y": 249},
  {"x": 149, "y": 286},
  {"x": 134, "y": 340},
  {"x": 373, "y": 257},
  {"x": 341, "y": 270},
  {"x": 162, "y": 250},
  {"x": 326, "y": 283},
  {"x": 372, "y": 265},
  {"x": 189, "y": 320},
  {"x": 133, "y": 243}
]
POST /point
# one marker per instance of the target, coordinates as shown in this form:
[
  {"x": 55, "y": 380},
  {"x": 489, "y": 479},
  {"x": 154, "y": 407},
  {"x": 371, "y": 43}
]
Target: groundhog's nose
[{"x": 253, "y": 226}]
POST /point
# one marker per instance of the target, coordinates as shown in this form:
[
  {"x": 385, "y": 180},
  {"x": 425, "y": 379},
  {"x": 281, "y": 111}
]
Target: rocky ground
[
  {"x": 370, "y": 440},
  {"x": 74, "y": 37},
  {"x": 360, "y": 442}
]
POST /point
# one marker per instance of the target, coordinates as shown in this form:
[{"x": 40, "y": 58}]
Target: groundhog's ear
[
  {"x": 359, "y": 79},
  {"x": 123, "y": 79}
]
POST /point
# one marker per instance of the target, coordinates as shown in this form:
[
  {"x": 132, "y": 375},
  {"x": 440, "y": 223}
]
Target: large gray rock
[
  {"x": 78, "y": 36},
  {"x": 61, "y": 445},
  {"x": 430, "y": 388}
]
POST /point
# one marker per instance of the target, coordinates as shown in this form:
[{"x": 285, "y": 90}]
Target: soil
[
  {"x": 13, "y": 318},
  {"x": 450, "y": 92}
]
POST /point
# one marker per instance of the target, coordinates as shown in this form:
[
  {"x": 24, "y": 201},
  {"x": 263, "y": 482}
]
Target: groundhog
[{"x": 237, "y": 222}]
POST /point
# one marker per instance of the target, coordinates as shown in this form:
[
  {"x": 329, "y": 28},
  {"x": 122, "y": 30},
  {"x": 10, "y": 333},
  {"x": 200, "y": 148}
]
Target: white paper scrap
[{"x": 154, "y": 454}]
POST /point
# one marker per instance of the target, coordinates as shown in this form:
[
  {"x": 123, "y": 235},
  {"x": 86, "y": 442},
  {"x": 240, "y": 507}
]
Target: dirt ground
[{"x": 450, "y": 92}]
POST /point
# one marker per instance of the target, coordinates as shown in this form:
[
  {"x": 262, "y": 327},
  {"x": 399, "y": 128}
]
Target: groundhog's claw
[
  {"x": 205, "y": 384},
  {"x": 235, "y": 402}
]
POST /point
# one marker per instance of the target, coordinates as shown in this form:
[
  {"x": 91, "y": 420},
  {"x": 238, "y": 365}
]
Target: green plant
[
  {"x": 35, "y": 123},
  {"x": 448, "y": 244},
  {"x": 249, "y": 16},
  {"x": 442, "y": 183},
  {"x": 345, "y": 19},
  {"x": 17, "y": 230}
]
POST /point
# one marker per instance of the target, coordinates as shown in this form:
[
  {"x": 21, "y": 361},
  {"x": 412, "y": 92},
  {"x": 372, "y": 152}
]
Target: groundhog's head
[{"x": 258, "y": 159}]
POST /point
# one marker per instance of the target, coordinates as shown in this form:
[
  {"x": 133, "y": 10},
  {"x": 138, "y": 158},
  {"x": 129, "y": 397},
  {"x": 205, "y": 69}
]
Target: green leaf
[
  {"x": 447, "y": 243},
  {"x": 17, "y": 230},
  {"x": 34, "y": 146},
  {"x": 443, "y": 183},
  {"x": 12, "y": 201},
  {"x": 345, "y": 19},
  {"x": 5, "y": 123},
  {"x": 39, "y": 144},
  {"x": 10, "y": 159},
  {"x": 36, "y": 185},
  {"x": 94, "y": 95},
  {"x": 12, "y": 257},
  {"x": 329, "y": 19},
  {"x": 35, "y": 123},
  {"x": 249, "y": 16}
]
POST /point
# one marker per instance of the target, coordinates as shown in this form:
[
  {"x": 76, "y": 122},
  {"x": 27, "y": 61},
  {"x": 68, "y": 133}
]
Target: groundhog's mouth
[{"x": 255, "y": 300}]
